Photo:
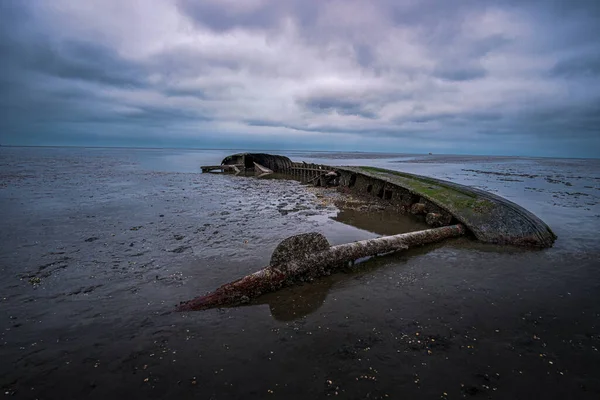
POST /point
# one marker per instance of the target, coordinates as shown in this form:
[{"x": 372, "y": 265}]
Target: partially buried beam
[{"x": 308, "y": 256}]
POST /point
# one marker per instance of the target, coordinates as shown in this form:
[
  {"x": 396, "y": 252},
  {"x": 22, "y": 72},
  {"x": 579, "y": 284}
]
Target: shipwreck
[{"x": 449, "y": 208}]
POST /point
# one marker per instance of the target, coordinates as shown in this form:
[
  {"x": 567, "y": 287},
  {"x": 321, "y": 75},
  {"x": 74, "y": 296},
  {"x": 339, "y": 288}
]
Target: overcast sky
[{"x": 448, "y": 76}]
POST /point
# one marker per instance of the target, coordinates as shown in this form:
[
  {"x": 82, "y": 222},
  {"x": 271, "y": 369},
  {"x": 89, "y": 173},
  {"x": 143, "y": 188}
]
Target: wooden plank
[
  {"x": 310, "y": 169},
  {"x": 223, "y": 167}
]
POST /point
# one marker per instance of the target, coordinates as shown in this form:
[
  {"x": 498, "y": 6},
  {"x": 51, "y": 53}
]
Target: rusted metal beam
[{"x": 308, "y": 256}]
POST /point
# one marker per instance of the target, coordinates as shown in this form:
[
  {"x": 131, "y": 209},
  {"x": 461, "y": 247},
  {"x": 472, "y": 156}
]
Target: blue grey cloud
[
  {"x": 578, "y": 66},
  {"x": 454, "y": 73},
  {"x": 338, "y": 105},
  {"x": 454, "y": 76}
]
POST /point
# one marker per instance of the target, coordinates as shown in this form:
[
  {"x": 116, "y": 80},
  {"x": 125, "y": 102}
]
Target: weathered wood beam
[
  {"x": 262, "y": 169},
  {"x": 222, "y": 167}
]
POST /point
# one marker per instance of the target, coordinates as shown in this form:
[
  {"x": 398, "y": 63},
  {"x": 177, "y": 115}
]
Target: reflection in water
[
  {"x": 298, "y": 301},
  {"x": 381, "y": 222},
  {"x": 295, "y": 302}
]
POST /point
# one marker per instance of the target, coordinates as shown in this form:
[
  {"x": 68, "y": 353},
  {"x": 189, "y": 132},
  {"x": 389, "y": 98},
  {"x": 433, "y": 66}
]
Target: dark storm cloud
[
  {"x": 222, "y": 16},
  {"x": 48, "y": 82},
  {"x": 31, "y": 51},
  {"x": 38, "y": 77},
  {"x": 339, "y": 105},
  {"x": 577, "y": 120},
  {"x": 453, "y": 119},
  {"x": 464, "y": 74},
  {"x": 84, "y": 61},
  {"x": 364, "y": 55},
  {"x": 578, "y": 66}
]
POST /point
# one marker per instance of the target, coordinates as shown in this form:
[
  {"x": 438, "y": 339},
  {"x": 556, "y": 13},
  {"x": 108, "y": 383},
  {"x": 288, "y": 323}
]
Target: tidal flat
[{"x": 97, "y": 246}]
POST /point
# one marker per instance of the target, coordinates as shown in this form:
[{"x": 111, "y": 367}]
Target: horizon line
[{"x": 298, "y": 150}]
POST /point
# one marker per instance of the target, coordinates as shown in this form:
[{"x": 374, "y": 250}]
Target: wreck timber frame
[
  {"x": 451, "y": 208},
  {"x": 489, "y": 217}
]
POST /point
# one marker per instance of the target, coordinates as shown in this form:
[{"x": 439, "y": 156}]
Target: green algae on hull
[
  {"x": 489, "y": 217},
  {"x": 434, "y": 191}
]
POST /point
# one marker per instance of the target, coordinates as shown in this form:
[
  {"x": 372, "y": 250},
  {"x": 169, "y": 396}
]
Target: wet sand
[{"x": 98, "y": 245}]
